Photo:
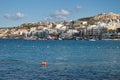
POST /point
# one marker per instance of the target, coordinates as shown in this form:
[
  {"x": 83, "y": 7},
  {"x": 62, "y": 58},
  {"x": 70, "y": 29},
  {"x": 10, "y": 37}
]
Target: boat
[{"x": 92, "y": 39}]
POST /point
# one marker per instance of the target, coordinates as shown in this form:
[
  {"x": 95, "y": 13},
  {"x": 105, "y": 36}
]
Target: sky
[{"x": 16, "y": 12}]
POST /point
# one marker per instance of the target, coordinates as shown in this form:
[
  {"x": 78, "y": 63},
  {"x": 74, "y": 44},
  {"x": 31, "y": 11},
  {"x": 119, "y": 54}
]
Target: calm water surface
[{"x": 67, "y": 60}]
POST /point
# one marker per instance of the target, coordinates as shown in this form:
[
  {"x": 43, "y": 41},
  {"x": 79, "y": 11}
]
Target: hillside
[
  {"x": 54, "y": 30},
  {"x": 103, "y": 17}
]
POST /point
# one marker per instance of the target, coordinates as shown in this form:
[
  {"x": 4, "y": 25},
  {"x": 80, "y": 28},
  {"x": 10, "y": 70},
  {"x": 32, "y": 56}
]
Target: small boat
[{"x": 92, "y": 40}]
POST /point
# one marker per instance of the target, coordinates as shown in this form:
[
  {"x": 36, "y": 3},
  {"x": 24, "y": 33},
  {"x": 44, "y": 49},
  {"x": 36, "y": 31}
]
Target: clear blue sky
[{"x": 16, "y": 12}]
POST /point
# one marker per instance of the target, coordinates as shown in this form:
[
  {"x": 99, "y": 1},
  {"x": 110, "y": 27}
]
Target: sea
[{"x": 66, "y": 60}]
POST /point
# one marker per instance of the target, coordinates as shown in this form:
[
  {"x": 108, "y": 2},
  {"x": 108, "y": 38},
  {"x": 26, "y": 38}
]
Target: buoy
[
  {"x": 4, "y": 46},
  {"x": 33, "y": 46},
  {"x": 18, "y": 46},
  {"x": 48, "y": 46},
  {"x": 98, "y": 47},
  {"x": 44, "y": 63},
  {"x": 117, "y": 47}
]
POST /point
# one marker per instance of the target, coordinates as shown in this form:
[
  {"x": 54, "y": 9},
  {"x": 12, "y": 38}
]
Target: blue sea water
[{"x": 66, "y": 60}]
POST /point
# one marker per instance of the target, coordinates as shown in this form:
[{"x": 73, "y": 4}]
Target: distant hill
[{"x": 103, "y": 17}]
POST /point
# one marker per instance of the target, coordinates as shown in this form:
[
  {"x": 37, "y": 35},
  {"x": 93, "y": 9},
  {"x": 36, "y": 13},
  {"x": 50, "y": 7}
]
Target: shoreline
[{"x": 60, "y": 39}]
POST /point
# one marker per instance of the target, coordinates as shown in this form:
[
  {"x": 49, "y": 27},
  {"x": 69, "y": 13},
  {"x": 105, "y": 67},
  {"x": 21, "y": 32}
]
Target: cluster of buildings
[
  {"x": 104, "y": 30},
  {"x": 67, "y": 30},
  {"x": 50, "y": 31}
]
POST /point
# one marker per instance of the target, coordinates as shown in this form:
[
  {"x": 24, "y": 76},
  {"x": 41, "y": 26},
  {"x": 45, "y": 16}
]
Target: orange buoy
[{"x": 44, "y": 63}]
